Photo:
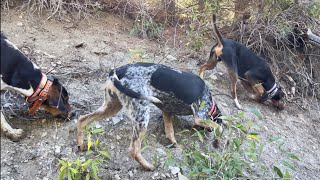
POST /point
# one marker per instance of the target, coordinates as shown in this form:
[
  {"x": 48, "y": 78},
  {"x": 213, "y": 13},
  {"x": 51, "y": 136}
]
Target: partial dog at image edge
[
  {"x": 19, "y": 74},
  {"x": 174, "y": 92},
  {"x": 253, "y": 71}
]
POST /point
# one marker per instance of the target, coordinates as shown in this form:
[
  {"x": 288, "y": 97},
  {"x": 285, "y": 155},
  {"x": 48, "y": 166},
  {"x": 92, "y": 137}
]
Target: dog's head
[
  {"x": 276, "y": 97},
  {"x": 207, "y": 110},
  {"x": 57, "y": 100}
]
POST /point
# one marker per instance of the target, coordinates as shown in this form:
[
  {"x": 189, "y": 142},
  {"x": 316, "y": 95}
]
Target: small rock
[
  {"x": 266, "y": 128},
  {"x": 59, "y": 62},
  {"x": 116, "y": 120},
  {"x": 45, "y": 178},
  {"x": 19, "y": 24},
  {"x": 275, "y": 151},
  {"x": 43, "y": 120},
  {"x": 57, "y": 150},
  {"x": 118, "y": 137},
  {"x": 130, "y": 173},
  {"x": 155, "y": 175},
  {"x": 182, "y": 177},
  {"x": 224, "y": 104},
  {"x": 20, "y": 17},
  {"x": 53, "y": 64},
  {"x": 98, "y": 126},
  {"x": 174, "y": 170},
  {"x": 7, "y": 105},
  {"x": 82, "y": 159},
  {"x": 163, "y": 175},
  {"x": 44, "y": 134},
  {"x": 112, "y": 146},
  {"x": 171, "y": 58},
  {"x": 117, "y": 177},
  {"x": 168, "y": 175}
]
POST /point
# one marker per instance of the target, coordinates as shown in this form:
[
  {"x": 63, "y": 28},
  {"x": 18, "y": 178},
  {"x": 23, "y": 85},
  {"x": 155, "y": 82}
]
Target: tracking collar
[
  {"x": 272, "y": 92},
  {"x": 40, "y": 94},
  {"x": 213, "y": 108}
]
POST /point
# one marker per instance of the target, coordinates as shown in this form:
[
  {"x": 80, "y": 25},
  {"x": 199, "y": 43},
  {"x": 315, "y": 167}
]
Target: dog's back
[
  {"x": 183, "y": 85},
  {"x": 244, "y": 58}
]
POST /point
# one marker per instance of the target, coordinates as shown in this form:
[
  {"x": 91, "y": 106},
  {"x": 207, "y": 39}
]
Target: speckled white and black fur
[{"x": 135, "y": 86}]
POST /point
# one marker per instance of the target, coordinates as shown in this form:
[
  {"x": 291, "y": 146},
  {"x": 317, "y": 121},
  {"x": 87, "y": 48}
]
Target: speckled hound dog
[
  {"x": 253, "y": 71},
  {"x": 135, "y": 86}
]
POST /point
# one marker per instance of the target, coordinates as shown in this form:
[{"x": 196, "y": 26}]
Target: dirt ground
[{"x": 82, "y": 70}]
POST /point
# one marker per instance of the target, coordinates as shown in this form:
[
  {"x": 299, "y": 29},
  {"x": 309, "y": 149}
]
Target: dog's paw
[
  {"x": 83, "y": 147},
  {"x": 238, "y": 104},
  {"x": 148, "y": 167},
  {"x": 14, "y": 134}
]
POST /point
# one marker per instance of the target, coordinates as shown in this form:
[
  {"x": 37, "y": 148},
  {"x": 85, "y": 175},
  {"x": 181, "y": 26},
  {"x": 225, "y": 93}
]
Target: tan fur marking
[
  {"x": 218, "y": 50},
  {"x": 168, "y": 127},
  {"x": 135, "y": 150},
  {"x": 211, "y": 64}
]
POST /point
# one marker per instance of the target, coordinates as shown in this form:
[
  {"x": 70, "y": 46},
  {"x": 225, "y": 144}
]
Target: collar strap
[
  {"x": 40, "y": 98},
  {"x": 213, "y": 108},
  {"x": 41, "y": 85},
  {"x": 272, "y": 92},
  {"x": 273, "y": 88}
]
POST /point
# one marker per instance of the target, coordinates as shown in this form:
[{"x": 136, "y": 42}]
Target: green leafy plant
[
  {"x": 314, "y": 9},
  {"x": 89, "y": 167},
  {"x": 135, "y": 55},
  {"x": 238, "y": 155},
  {"x": 144, "y": 26},
  {"x": 286, "y": 162}
]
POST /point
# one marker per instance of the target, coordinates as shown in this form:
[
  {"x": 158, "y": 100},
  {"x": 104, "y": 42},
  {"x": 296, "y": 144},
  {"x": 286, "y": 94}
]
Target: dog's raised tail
[
  {"x": 216, "y": 31},
  {"x": 130, "y": 92}
]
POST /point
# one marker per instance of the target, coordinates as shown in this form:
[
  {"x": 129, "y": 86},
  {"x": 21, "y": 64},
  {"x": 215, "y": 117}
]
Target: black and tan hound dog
[
  {"x": 19, "y": 74},
  {"x": 253, "y": 71},
  {"x": 174, "y": 92}
]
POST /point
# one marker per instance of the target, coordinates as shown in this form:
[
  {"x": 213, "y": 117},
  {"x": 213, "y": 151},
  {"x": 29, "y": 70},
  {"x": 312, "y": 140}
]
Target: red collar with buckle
[
  {"x": 39, "y": 95},
  {"x": 213, "y": 108}
]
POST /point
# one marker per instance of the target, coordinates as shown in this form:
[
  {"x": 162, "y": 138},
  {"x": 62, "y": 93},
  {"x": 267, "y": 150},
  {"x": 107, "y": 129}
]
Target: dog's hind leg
[
  {"x": 255, "y": 84},
  {"x": 211, "y": 64},
  {"x": 13, "y": 134},
  {"x": 139, "y": 114},
  {"x": 247, "y": 85},
  {"x": 168, "y": 127},
  {"x": 110, "y": 107}
]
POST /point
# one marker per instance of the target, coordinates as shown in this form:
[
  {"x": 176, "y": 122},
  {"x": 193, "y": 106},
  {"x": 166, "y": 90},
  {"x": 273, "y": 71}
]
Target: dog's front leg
[
  {"x": 168, "y": 128},
  {"x": 13, "y": 134},
  {"x": 234, "y": 77}
]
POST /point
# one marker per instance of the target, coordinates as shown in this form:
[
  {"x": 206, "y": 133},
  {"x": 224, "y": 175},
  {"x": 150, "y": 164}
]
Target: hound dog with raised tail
[
  {"x": 253, "y": 71},
  {"x": 174, "y": 92},
  {"x": 19, "y": 74}
]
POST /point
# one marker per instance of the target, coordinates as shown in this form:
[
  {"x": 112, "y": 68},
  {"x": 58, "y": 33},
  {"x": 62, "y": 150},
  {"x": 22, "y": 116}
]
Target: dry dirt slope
[{"x": 107, "y": 44}]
